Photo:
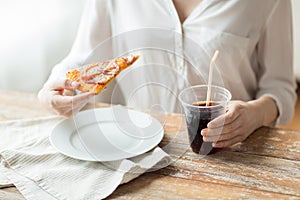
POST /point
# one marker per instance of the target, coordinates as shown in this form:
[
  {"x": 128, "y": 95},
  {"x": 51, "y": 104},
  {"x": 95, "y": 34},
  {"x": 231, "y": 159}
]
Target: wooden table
[{"x": 265, "y": 166}]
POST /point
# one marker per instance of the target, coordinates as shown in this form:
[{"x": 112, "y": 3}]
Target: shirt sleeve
[
  {"x": 91, "y": 42},
  {"x": 275, "y": 57}
]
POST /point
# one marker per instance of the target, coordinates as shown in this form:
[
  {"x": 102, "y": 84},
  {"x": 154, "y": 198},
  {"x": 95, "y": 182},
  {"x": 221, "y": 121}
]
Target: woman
[{"x": 176, "y": 40}]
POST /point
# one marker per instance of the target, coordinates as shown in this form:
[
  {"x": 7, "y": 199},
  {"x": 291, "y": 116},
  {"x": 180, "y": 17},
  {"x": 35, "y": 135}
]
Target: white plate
[{"x": 107, "y": 134}]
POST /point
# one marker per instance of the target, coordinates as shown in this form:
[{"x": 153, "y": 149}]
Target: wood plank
[
  {"x": 239, "y": 170},
  {"x": 277, "y": 143},
  {"x": 155, "y": 186},
  {"x": 273, "y": 142},
  {"x": 16, "y": 105}
]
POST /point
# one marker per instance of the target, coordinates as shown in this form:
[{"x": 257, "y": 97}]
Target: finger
[
  {"x": 218, "y": 134},
  {"x": 227, "y": 143},
  {"x": 78, "y": 108},
  {"x": 61, "y": 84},
  {"x": 226, "y": 129},
  {"x": 224, "y": 119},
  {"x": 68, "y": 93},
  {"x": 66, "y": 112},
  {"x": 69, "y": 111},
  {"x": 218, "y": 138},
  {"x": 211, "y": 132},
  {"x": 59, "y": 101},
  {"x": 82, "y": 98}
]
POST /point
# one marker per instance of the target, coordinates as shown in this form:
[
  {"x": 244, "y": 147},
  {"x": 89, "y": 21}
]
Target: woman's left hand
[{"x": 240, "y": 120}]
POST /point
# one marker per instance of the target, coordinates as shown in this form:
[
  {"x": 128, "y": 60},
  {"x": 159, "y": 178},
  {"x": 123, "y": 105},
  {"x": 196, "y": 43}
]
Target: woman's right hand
[{"x": 58, "y": 95}]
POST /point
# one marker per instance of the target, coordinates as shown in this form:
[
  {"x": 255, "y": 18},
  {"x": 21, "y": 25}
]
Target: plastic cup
[{"x": 198, "y": 115}]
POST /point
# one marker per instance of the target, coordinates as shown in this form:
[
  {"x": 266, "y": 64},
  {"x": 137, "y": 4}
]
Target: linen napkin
[{"x": 39, "y": 171}]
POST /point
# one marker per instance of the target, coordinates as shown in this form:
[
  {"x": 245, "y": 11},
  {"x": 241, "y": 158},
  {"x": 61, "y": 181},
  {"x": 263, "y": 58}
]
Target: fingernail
[
  {"x": 213, "y": 144},
  {"x": 203, "y": 132}
]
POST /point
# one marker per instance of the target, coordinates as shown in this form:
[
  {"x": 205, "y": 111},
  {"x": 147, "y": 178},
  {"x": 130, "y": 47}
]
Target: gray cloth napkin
[{"x": 39, "y": 171}]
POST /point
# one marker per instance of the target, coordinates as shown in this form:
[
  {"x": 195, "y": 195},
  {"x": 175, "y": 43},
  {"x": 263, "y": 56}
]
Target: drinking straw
[{"x": 212, "y": 62}]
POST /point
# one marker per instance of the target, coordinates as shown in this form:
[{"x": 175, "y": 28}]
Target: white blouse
[{"x": 254, "y": 38}]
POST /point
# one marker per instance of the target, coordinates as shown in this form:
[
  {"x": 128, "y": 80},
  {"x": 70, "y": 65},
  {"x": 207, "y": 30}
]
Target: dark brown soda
[{"x": 196, "y": 121}]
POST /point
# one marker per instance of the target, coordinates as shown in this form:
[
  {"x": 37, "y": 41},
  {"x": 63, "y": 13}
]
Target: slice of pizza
[{"x": 95, "y": 77}]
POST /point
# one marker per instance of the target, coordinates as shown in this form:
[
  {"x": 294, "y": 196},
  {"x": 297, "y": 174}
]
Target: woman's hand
[
  {"x": 56, "y": 95},
  {"x": 240, "y": 120}
]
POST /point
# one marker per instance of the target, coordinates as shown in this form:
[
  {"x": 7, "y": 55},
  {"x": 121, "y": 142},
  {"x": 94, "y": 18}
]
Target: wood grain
[
  {"x": 265, "y": 166},
  {"x": 154, "y": 186},
  {"x": 240, "y": 170}
]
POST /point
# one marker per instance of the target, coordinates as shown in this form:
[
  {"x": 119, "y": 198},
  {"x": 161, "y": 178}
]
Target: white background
[{"x": 35, "y": 35}]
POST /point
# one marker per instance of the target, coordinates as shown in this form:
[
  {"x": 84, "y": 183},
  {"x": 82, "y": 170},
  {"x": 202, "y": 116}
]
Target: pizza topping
[
  {"x": 99, "y": 72},
  {"x": 95, "y": 77}
]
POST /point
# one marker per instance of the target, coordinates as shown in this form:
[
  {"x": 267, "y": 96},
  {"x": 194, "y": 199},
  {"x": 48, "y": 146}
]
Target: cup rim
[{"x": 202, "y": 86}]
